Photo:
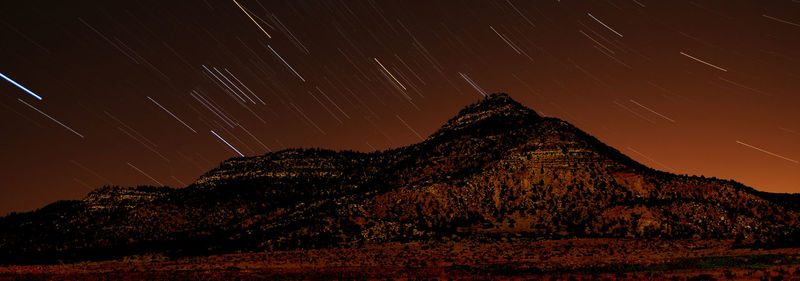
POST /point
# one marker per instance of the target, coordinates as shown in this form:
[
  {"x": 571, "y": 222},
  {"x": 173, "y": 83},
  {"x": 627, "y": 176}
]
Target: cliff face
[
  {"x": 110, "y": 198},
  {"x": 497, "y": 169}
]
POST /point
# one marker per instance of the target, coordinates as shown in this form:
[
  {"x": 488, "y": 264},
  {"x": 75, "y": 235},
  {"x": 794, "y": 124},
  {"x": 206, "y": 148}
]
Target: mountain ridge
[{"x": 497, "y": 169}]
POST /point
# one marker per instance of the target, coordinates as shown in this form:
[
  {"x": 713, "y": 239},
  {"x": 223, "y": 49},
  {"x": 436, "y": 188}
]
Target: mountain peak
[
  {"x": 499, "y": 97},
  {"x": 495, "y": 106},
  {"x": 497, "y": 101}
]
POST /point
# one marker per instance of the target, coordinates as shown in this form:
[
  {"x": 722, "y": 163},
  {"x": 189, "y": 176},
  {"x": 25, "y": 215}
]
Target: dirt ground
[{"x": 572, "y": 259}]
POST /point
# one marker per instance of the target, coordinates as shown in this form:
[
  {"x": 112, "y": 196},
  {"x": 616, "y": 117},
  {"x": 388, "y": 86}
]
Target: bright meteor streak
[
  {"x": 226, "y": 142},
  {"x": 20, "y": 86}
]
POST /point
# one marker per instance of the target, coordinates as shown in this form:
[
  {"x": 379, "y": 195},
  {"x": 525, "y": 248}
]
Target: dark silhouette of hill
[{"x": 495, "y": 170}]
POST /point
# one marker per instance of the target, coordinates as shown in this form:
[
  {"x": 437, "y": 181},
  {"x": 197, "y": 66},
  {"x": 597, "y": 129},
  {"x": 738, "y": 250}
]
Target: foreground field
[{"x": 592, "y": 259}]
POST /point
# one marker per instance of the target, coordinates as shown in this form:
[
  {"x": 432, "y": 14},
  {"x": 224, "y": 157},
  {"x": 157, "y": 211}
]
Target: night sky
[{"x": 156, "y": 92}]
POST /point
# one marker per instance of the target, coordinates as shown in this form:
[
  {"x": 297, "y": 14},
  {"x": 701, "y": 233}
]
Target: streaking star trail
[
  {"x": 145, "y": 174},
  {"x": 286, "y": 63},
  {"x": 768, "y": 152},
  {"x": 604, "y": 24},
  {"x": 51, "y": 118},
  {"x": 251, "y": 18},
  {"x": 703, "y": 62},
  {"x": 171, "y": 114},
  {"x": 227, "y": 143}
]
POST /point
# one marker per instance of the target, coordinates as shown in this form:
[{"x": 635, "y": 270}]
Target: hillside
[{"x": 496, "y": 170}]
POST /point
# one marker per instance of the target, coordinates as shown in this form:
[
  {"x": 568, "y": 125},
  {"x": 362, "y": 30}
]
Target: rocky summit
[{"x": 496, "y": 170}]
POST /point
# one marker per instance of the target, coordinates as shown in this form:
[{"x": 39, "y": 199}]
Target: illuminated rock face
[
  {"x": 123, "y": 198},
  {"x": 497, "y": 169}
]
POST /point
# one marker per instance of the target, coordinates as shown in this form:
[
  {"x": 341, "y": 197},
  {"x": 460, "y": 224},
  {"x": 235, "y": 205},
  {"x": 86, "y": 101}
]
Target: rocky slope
[{"x": 495, "y": 170}]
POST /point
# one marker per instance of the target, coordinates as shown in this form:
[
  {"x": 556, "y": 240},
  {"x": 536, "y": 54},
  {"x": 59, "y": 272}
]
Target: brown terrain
[
  {"x": 497, "y": 192},
  {"x": 516, "y": 259}
]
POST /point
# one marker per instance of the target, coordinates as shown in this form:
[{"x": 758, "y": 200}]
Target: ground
[{"x": 516, "y": 259}]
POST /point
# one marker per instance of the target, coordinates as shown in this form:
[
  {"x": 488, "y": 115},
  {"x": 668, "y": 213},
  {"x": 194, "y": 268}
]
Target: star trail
[{"x": 700, "y": 88}]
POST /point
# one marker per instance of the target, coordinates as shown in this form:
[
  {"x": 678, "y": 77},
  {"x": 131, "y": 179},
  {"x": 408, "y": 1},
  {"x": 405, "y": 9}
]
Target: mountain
[{"x": 496, "y": 170}]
